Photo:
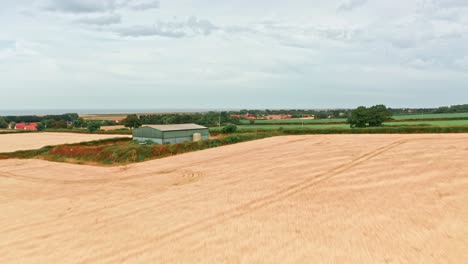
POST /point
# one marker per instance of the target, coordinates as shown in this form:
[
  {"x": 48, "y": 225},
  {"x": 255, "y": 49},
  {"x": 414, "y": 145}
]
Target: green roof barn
[{"x": 171, "y": 134}]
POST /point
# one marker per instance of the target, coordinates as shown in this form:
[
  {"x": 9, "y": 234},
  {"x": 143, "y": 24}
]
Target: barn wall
[
  {"x": 143, "y": 139},
  {"x": 167, "y": 137},
  {"x": 147, "y": 132}
]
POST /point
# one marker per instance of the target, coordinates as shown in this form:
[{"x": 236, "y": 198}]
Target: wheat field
[{"x": 289, "y": 199}]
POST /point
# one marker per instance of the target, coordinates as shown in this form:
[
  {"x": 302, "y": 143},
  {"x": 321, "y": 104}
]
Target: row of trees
[
  {"x": 369, "y": 117},
  {"x": 452, "y": 109},
  {"x": 69, "y": 117},
  {"x": 298, "y": 113},
  {"x": 61, "y": 124},
  {"x": 208, "y": 119}
]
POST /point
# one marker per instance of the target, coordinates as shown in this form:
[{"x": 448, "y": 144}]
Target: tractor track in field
[
  {"x": 142, "y": 175},
  {"x": 298, "y": 199},
  {"x": 244, "y": 209},
  {"x": 122, "y": 179}
]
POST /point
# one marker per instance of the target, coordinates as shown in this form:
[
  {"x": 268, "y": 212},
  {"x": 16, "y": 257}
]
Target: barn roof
[{"x": 176, "y": 127}]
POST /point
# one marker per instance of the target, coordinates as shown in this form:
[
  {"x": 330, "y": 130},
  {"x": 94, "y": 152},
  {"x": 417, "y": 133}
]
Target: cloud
[
  {"x": 143, "y": 5},
  {"x": 450, "y": 3},
  {"x": 348, "y": 5},
  {"x": 101, "y": 20},
  {"x": 81, "y": 6},
  {"x": 145, "y": 31},
  {"x": 179, "y": 29},
  {"x": 97, "y": 6}
]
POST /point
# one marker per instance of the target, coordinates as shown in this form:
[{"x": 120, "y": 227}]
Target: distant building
[
  {"x": 171, "y": 134},
  {"x": 250, "y": 117},
  {"x": 278, "y": 117},
  {"x": 246, "y": 116},
  {"x": 26, "y": 126}
]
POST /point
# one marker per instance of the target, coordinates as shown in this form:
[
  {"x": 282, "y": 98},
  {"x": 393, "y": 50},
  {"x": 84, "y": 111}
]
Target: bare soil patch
[{"x": 290, "y": 199}]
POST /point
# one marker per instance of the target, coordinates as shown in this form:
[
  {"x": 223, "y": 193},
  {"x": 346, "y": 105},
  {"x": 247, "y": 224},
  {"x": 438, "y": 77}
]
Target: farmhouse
[
  {"x": 278, "y": 117},
  {"x": 171, "y": 134},
  {"x": 26, "y": 126}
]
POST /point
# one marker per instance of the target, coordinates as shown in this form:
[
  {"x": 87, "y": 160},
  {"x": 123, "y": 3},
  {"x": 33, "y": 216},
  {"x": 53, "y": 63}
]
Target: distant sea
[{"x": 18, "y": 112}]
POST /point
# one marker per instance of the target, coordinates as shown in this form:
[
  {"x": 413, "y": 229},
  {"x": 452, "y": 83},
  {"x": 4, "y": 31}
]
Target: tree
[
  {"x": 93, "y": 126},
  {"x": 79, "y": 123},
  {"x": 3, "y": 123},
  {"x": 378, "y": 114},
  {"x": 60, "y": 124},
  {"x": 358, "y": 117},
  {"x": 234, "y": 120},
  {"x": 231, "y": 128},
  {"x": 372, "y": 117},
  {"x": 132, "y": 121},
  {"x": 41, "y": 126},
  {"x": 12, "y": 125},
  {"x": 50, "y": 123}
]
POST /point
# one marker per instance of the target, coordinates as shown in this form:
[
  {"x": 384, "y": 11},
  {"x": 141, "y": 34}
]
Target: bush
[
  {"x": 41, "y": 126},
  {"x": 93, "y": 126},
  {"x": 132, "y": 121},
  {"x": 3, "y": 123},
  {"x": 231, "y": 128},
  {"x": 56, "y": 124}
]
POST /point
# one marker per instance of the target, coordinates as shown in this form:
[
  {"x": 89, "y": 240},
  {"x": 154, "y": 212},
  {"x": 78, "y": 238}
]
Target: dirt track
[
  {"x": 295, "y": 199},
  {"x": 25, "y": 141}
]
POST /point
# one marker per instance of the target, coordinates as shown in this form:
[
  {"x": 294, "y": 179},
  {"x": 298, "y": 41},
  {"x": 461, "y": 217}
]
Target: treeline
[
  {"x": 406, "y": 111},
  {"x": 69, "y": 117},
  {"x": 50, "y": 121},
  {"x": 209, "y": 119},
  {"x": 441, "y": 110},
  {"x": 452, "y": 109},
  {"x": 298, "y": 113},
  {"x": 64, "y": 121}
]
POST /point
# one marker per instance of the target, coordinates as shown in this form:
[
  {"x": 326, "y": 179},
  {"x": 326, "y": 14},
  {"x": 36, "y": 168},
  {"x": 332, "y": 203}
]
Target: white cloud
[
  {"x": 95, "y": 6},
  {"x": 143, "y": 5},
  {"x": 218, "y": 51},
  {"x": 82, "y": 6},
  {"x": 175, "y": 29},
  {"x": 106, "y": 19},
  {"x": 348, "y": 5}
]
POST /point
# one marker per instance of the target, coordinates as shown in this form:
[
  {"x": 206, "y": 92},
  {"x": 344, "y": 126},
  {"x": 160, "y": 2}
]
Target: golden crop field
[{"x": 289, "y": 199}]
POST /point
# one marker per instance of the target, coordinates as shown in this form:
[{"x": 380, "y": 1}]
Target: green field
[
  {"x": 431, "y": 116},
  {"x": 443, "y": 123},
  {"x": 341, "y": 120},
  {"x": 431, "y": 123},
  {"x": 296, "y": 121}
]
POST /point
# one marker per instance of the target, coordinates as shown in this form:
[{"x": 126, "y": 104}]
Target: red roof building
[
  {"x": 278, "y": 117},
  {"x": 26, "y": 126},
  {"x": 246, "y": 116}
]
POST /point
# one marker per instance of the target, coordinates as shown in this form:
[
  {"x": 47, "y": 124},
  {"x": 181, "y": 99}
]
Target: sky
[{"x": 167, "y": 54}]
